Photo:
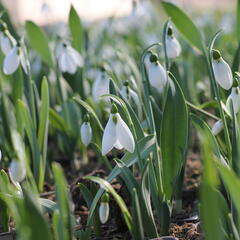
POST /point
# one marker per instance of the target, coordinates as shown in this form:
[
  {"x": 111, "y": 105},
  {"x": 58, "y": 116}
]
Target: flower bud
[
  {"x": 173, "y": 47},
  {"x": 17, "y": 171},
  {"x": 217, "y": 127},
  {"x": 104, "y": 208},
  {"x": 86, "y": 131},
  {"x": 222, "y": 71}
]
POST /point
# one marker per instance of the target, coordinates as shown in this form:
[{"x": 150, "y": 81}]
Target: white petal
[
  {"x": 134, "y": 96},
  {"x": 59, "y": 49},
  {"x": 124, "y": 135},
  {"x": 17, "y": 171},
  {"x": 86, "y": 133},
  {"x": 11, "y": 62},
  {"x": 173, "y": 47},
  {"x": 5, "y": 44},
  {"x": 103, "y": 212},
  {"x": 222, "y": 73},
  {"x": 157, "y": 75},
  {"x": 118, "y": 145},
  {"x": 235, "y": 96},
  {"x": 75, "y": 55},
  {"x": 100, "y": 86},
  {"x": 67, "y": 62},
  {"x": 109, "y": 136},
  {"x": 147, "y": 61},
  {"x": 124, "y": 92},
  {"x": 217, "y": 127}
]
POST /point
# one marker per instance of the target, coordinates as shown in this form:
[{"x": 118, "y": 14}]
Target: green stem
[
  {"x": 202, "y": 111},
  {"x": 217, "y": 94}
]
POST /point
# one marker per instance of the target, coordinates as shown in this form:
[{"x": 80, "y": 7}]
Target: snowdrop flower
[
  {"x": 173, "y": 47},
  {"x": 86, "y": 131},
  {"x": 235, "y": 96},
  {"x": 129, "y": 94},
  {"x": 117, "y": 134},
  {"x": 100, "y": 85},
  {"x": 222, "y": 71},
  {"x": 217, "y": 127},
  {"x": 68, "y": 58},
  {"x": 13, "y": 59},
  {"x": 5, "y": 43},
  {"x": 6, "y": 40},
  {"x": 17, "y": 171},
  {"x": 157, "y": 75},
  {"x": 147, "y": 61},
  {"x": 104, "y": 208}
]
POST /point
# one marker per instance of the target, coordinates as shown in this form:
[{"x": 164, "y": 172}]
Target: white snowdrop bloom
[
  {"x": 222, "y": 71},
  {"x": 86, "y": 131},
  {"x": 147, "y": 61},
  {"x": 68, "y": 58},
  {"x": 129, "y": 94},
  {"x": 12, "y": 60},
  {"x": 103, "y": 212},
  {"x": 17, "y": 171},
  {"x": 100, "y": 86},
  {"x": 235, "y": 96},
  {"x": 117, "y": 134},
  {"x": 104, "y": 208},
  {"x": 157, "y": 75},
  {"x": 5, "y": 43},
  {"x": 217, "y": 127},
  {"x": 173, "y": 47}
]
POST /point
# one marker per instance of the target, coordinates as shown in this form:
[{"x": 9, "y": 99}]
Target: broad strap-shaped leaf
[
  {"x": 65, "y": 221},
  {"x": 39, "y": 42},
  {"x": 174, "y": 136},
  {"x": 184, "y": 24},
  {"x": 76, "y": 29},
  {"x": 43, "y": 122}
]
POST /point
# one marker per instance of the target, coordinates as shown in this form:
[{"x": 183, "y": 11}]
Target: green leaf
[
  {"x": 137, "y": 217},
  {"x": 39, "y": 42},
  {"x": 76, "y": 29},
  {"x": 43, "y": 123},
  {"x": 238, "y": 20},
  {"x": 65, "y": 222},
  {"x": 32, "y": 137},
  {"x": 107, "y": 186},
  {"x": 211, "y": 211},
  {"x": 174, "y": 136},
  {"x": 33, "y": 219},
  {"x": 184, "y": 24}
]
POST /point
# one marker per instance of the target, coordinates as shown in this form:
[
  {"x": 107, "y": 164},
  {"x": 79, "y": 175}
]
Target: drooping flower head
[
  {"x": 104, "y": 208},
  {"x": 128, "y": 94},
  {"x": 17, "y": 171},
  {"x": 222, "y": 71},
  {"x": 157, "y": 75},
  {"x": 117, "y": 134},
  {"x": 235, "y": 97},
  {"x": 86, "y": 131},
  {"x": 101, "y": 85},
  {"x": 217, "y": 127},
  {"x": 68, "y": 58},
  {"x": 173, "y": 47},
  {"x": 13, "y": 59}
]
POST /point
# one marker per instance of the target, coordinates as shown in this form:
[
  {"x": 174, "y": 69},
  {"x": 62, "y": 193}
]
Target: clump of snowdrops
[{"x": 135, "y": 109}]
